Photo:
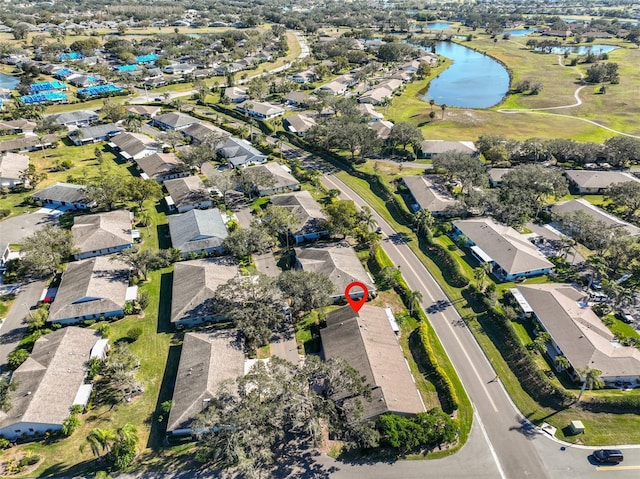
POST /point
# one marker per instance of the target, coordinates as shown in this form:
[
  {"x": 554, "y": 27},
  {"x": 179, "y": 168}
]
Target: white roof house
[
  {"x": 11, "y": 166},
  {"x": 429, "y": 195}
]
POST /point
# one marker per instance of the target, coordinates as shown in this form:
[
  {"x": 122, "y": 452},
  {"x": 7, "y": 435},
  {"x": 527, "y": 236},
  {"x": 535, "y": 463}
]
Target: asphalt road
[
  {"x": 517, "y": 448},
  {"x": 13, "y": 327}
]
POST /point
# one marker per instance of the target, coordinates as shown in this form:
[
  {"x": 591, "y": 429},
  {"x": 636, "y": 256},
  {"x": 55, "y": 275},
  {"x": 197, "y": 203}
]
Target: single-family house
[
  {"x": 509, "y": 255},
  {"x": 11, "y": 167},
  {"x": 278, "y": 179},
  {"x": 92, "y": 288},
  {"x": 132, "y": 146},
  {"x": 313, "y": 221},
  {"x": 433, "y": 148},
  {"x": 198, "y": 232},
  {"x": 82, "y": 80},
  {"x": 235, "y": 94},
  {"x": 367, "y": 342},
  {"x": 186, "y": 194},
  {"x": 340, "y": 263},
  {"x": 78, "y": 118},
  {"x": 588, "y": 182},
  {"x": 577, "y": 333},
  {"x": 239, "y": 153},
  {"x": 161, "y": 167},
  {"x": 102, "y": 233},
  {"x": 205, "y": 132},
  {"x": 299, "y": 123},
  {"x": 299, "y": 98},
  {"x": 334, "y": 88},
  {"x": 29, "y": 143},
  {"x": 17, "y": 126},
  {"x": 382, "y": 128},
  {"x": 207, "y": 361},
  {"x": 174, "y": 121},
  {"x": 94, "y": 134},
  {"x": 50, "y": 382},
  {"x": 305, "y": 76},
  {"x": 260, "y": 110},
  {"x": 194, "y": 284},
  {"x": 180, "y": 69},
  {"x": 66, "y": 195},
  {"x": 429, "y": 195},
  {"x": 370, "y": 112},
  {"x": 496, "y": 175},
  {"x": 598, "y": 214},
  {"x": 145, "y": 111}
]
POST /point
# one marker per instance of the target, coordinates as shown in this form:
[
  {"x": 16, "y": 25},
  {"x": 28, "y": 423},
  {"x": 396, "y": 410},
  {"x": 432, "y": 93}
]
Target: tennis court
[
  {"x": 63, "y": 73},
  {"x": 99, "y": 90},
  {"x": 151, "y": 57},
  {"x": 50, "y": 96},
  {"x": 47, "y": 86},
  {"x": 126, "y": 68},
  {"x": 70, "y": 56}
]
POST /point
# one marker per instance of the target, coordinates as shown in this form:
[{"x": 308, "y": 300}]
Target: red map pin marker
[{"x": 356, "y": 304}]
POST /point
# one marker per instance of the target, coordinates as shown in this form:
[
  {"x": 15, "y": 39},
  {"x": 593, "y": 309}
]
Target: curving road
[{"x": 516, "y": 449}]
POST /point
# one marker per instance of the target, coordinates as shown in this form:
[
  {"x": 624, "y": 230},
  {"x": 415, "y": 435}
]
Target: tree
[
  {"x": 597, "y": 266},
  {"x": 106, "y": 191},
  {"x": 119, "y": 382},
  {"x": 125, "y": 446},
  {"x": 244, "y": 242},
  {"x": 100, "y": 441},
  {"x": 20, "y": 30},
  {"x": 305, "y": 290},
  {"x": 140, "y": 190},
  {"x": 202, "y": 90},
  {"x": 423, "y": 221},
  {"x": 133, "y": 123},
  {"x": 45, "y": 250},
  {"x": 142, "y": 260},
  {"x": 466, "y": 169},
  {"x": 562, "y": 363},
  {"x": 622, "y": 150},
  {"x": 479, "y": 274},
  {"x": 541, "y": 340},
  {"x": 404, "y": 134},
  {"x": 590, "y": 380},
  {"x": 173, "y": 138},
  {"x": 113, "y": 112},
  {"x": 443, "y": 107},
  {"x": 414, "y": 297},
  {"x": 280, "y": 221},
  {"x": 342, "y": 217},
  {"x": 31, "y": 176},
  {"x": 16, "y": 358},
  {"x": 252, "y": 180}
]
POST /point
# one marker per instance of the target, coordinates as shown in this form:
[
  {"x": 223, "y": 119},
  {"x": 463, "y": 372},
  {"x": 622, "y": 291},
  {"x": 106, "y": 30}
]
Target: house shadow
[
  {"x": 158, "y": 427},
  {"x": 164, "y": 308},
  {"x": 164, "y": 237}
]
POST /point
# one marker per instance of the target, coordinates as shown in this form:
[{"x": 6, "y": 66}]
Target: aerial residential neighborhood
[{"x": 319, "y": 239}]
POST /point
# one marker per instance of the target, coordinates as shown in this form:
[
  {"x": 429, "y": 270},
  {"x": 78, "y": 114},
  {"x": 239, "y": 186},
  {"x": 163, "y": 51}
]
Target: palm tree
[
  {"x": 598, "y": 265},
  {"x": 100, "y": 441},
  {"x": 592, "y": 380},
  {"x": 423, "y": 220},
  {"x": 367, "y": 219},
  {"x": 431, "y": 103},
  {"x": 133, "y": 123},
  {"x": 479, "y": 274},
  {"x": 562, "y": 363},
  {"x": 443, "y": 107},
  {"x": 414, "y": 297},
  {"x": 128, "y": 433},
  {"x": 541, "y": 341}
]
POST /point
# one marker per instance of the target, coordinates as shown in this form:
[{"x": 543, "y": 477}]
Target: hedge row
[
  {"x": 612, "y": 404},
  {"x": 447, "y": 264},
  {"x": 447, "y": 393}
]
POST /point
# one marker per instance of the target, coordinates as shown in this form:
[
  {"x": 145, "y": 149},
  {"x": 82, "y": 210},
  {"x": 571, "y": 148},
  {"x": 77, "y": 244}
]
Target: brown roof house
[
  {"x": 102, "y": 233},
  {"x": 11, "y": 165},
  {"x": 596, "y": 182},
  {"x": 509, "y": 254},
  {"x": 186, "y": 194},
  {"x": 313, "y": 221},
  {"x": 207, "y": 362},
  {"x": 92, "y": 289},
  {"x": 194, "y": 283},
  {"x": 161, "y": 167},
  {"x": 367, "y": 342},
  {"x": 281, "y": 179},
  {"x": 340, "y": 263},
  {"x": 50, "y": 381},
  {"x": 577, "y": 333},
  {"x": 133, "y": 146},
  {"x": 429, "y": 195},
  {"x": 201, "y": 132}
]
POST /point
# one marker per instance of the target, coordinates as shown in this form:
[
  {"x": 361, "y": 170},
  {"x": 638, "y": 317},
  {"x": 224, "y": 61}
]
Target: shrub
[
  {"x": 104, "y": 329},
  {"x": 134, "y": 333},
  {"x": 143, "y": 299},
  {"x": 450, "y": 268},
  {"x": 16, "y": 358},
  {"x": 4, "y": 213},
  {"x": 70, "y": 425},
  {"x": 5, "y": 443}
]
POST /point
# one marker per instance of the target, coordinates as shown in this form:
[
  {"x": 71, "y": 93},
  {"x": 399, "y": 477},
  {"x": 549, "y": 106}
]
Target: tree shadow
[
  {"x": 526, "y": 428},
  {"x": 78, "y": 469}
]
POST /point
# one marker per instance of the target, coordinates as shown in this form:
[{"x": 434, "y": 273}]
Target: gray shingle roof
[
  {"x": 206, "y": 362},
  {"x": 366, "y": 341},
  {"x": 598, "y": 179},
  {"x": 194, "y": 282},
  {"x": 176, "y": 119},
  {"x": 197, "y": 230},
  {"x": 186, "y": 191},
  {"x": 508, "y": 248},
  {"x": 159, "y": 164},
  {"x": 442, "y": 146},
  {"x": 92, "y": 286},
  {"x": 102, "y": 231},
  {"x": 338, "y": 262},
  {"x": 307, "y": 210},
  {"x": 96, "y": 131},
  {"x": 583, "y": 338},
  {"x": 47, "y": 382},
  {"x": 200, "y": 131},
  {"x": 596, "y": 213},
  {"x": 429, "y": 195},
  {"x": 282, "y": 178},
  {"x": 134, "y": 143},
  {"x": 75, "y": 116},
  {"x": 67, "y": 192}
]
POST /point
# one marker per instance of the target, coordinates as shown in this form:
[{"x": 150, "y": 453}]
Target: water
[
  {"x": 584, "y": 49},
  {"x": 438, "y": 25},
  {"x": 519, "y": 33},
  {"x": 473, "y": 80},
  {"x": 8, "y": 81}
]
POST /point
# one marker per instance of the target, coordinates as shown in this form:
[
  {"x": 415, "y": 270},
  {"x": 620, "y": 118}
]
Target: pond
[
  {"x": 521, "y": 32},
  {"x": 584, "y": 49},
  {"x": 473, "y": 80},
  {"x": 8, "y": 81},
  {"x": 438, "y": 25}
]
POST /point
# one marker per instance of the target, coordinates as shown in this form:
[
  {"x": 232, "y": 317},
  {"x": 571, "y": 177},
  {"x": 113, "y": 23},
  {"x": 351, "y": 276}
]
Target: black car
[{"x": 608, "y": 456}]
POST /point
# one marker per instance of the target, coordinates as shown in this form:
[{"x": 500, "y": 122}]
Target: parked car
[{"x": 608, "y": 456}]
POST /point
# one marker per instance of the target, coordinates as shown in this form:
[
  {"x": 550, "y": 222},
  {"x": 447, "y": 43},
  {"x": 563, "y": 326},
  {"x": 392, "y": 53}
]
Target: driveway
[{"x": 15, "y": 229}]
